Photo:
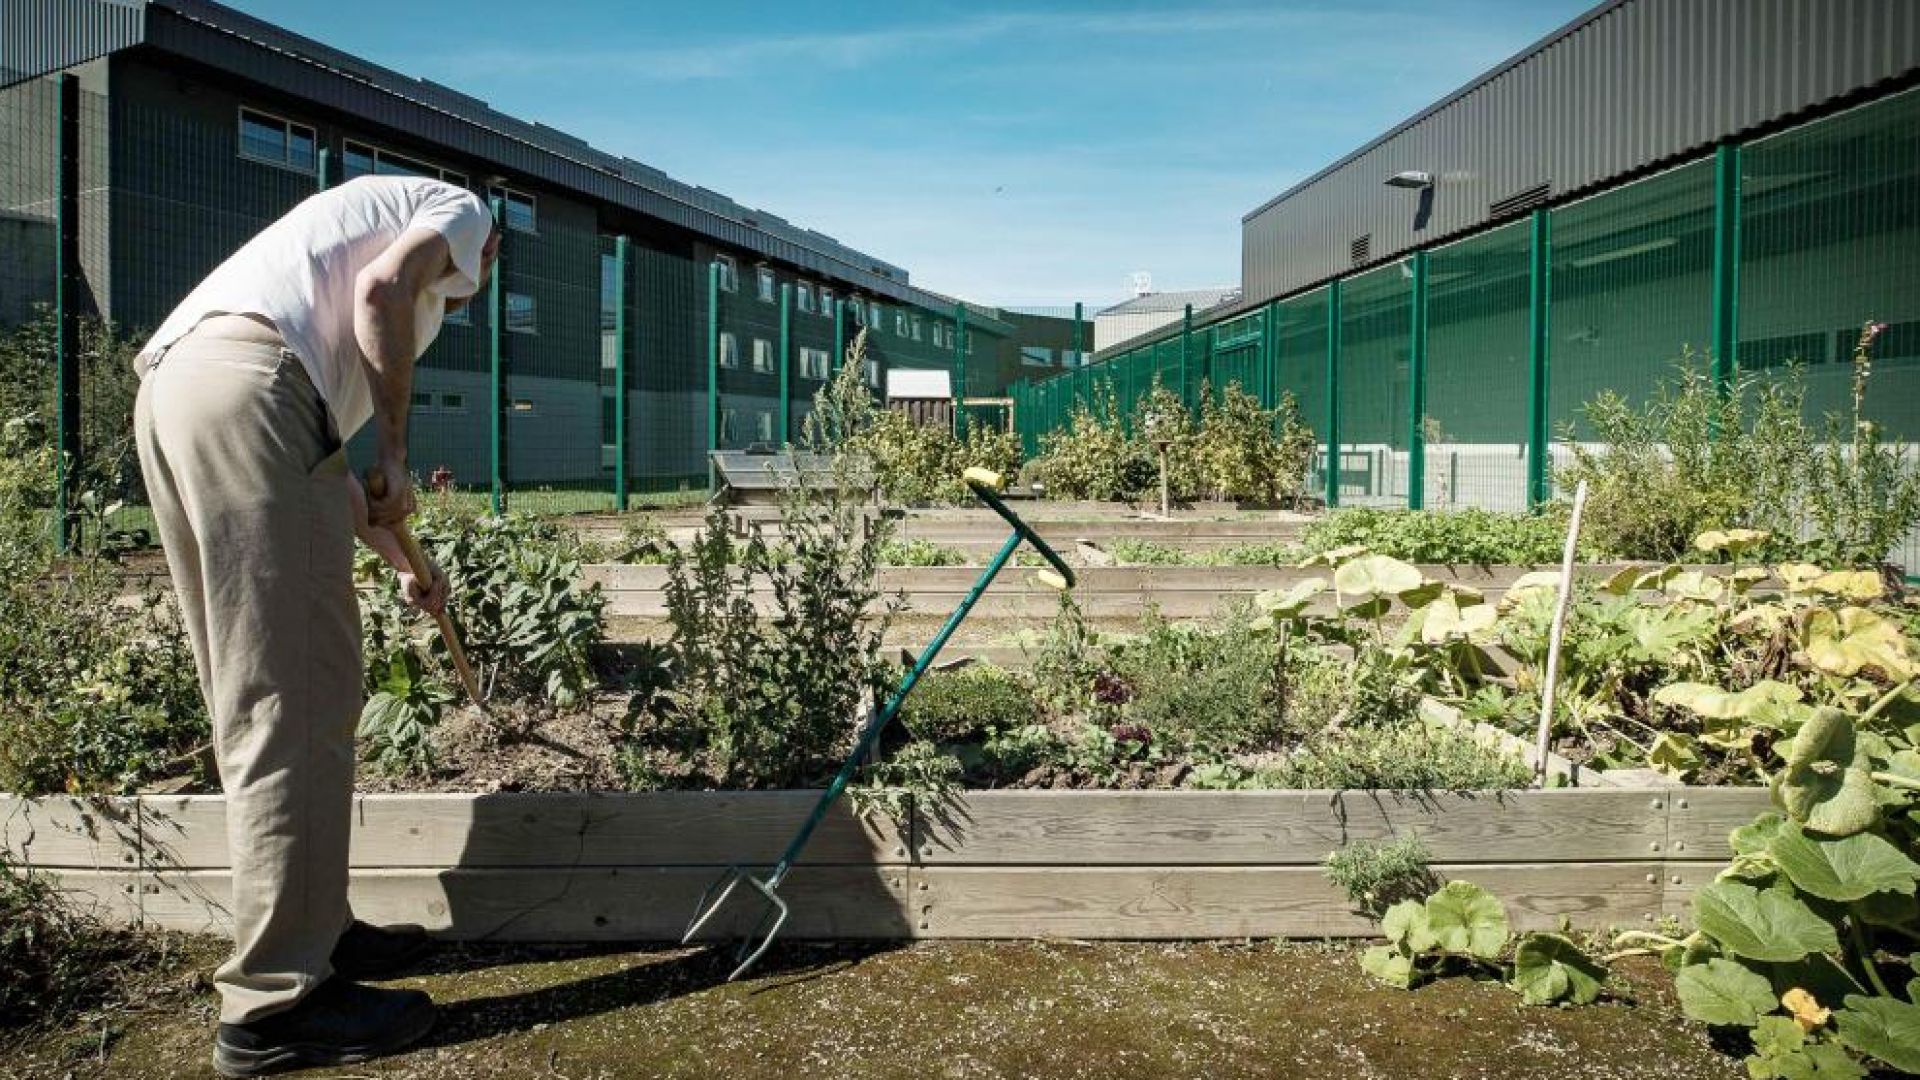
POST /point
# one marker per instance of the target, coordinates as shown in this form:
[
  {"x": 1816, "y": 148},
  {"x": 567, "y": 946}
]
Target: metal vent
[
  {"x": 1359, "y": 250},
  {"x": 1520, "y": 201}
]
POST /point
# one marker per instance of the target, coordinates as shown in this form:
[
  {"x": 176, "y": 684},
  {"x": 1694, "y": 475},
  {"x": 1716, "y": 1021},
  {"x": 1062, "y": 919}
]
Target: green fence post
[
  {"x": 496, "y": 368},
  {"x": 66, "y": 304},
  {"x": 322, "y": 173},
  {"x": 620, "y": 373},
  {"x": 1269, "y": 356},
  {"x": 1186, "y": 359},
  {"x": 786, "y": 363},
  {"x": 713, "y": 372},
  {"x": 960, "y": 362},
  {"x": 839, "y": 337},
  {"x": 1417, "y": 390},
  {"x": 1333, "y": 394},
  {"x": 1079, "y": 342},
  {"x": 1726, "y": 265},
  {"x": 1539, "y": 359}
]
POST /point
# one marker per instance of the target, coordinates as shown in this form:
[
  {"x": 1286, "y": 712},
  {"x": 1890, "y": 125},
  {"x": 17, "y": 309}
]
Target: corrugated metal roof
[
  {"x": 1627, "y": 88},
  {"x": 1201, "y": 299}
]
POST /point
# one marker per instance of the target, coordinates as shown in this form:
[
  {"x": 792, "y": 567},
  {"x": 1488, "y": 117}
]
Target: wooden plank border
[{"x": 1094, "y": 864}]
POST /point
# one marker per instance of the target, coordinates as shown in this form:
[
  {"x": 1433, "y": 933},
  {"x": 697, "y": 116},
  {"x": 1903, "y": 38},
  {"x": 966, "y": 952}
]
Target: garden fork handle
[
  {"x": 423, "y": 571},
  {"x": 985, "y": 485}
]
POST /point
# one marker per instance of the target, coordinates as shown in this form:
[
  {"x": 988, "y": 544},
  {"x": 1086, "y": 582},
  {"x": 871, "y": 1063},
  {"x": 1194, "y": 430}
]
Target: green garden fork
[{"x": 985, "y": 486}]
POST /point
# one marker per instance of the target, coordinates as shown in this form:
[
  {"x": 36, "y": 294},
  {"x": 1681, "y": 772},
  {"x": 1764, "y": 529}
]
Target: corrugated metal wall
[
  {"x": 41, "y": 36},
  {"x": 1635, "y": 84}
]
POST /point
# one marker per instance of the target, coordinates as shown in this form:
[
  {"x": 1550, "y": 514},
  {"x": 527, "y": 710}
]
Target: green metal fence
[{"x": 1454, "y": 377}]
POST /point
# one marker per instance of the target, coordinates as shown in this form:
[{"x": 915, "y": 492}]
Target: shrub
[
  {"x": 769, "y": 702},
  {"x": 911, "y": 462},
  {"x": 56, "y": 961},
  {"x": 963, "y": 706},
  {"x": 1203, "y": 689},
  {"x": 1376, "y": 874},
  {"x": 1245, "y": 451},
  {"x": 1697, "y": 457},
  {"x": 94, "y": 696},
  {"x": 108, "y": 384},
  {"x": 1092, "y": 457}
]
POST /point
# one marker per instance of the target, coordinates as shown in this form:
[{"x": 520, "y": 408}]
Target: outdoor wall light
[{"x": 1412, "y": 178}]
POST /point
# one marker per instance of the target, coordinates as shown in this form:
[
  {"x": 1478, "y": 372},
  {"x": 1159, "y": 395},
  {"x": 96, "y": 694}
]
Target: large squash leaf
[
  {"x": 1724, "y": 993},
  {"x": 1827, "y": 785},
  {"x": 1761, "y": 924},
  {"x": 1464, "y": 918},
  {"x": 1886, "y": 1028},
  {"x": 1549, "y": 968},
  {"x": 1845, "y": 869}
]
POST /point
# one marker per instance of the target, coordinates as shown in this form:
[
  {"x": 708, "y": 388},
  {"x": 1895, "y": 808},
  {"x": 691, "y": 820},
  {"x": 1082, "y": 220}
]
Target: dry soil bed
[{"x": 1041, "y": 1010}]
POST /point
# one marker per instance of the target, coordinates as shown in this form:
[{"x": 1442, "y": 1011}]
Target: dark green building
[{"x": 145, "y": 140}]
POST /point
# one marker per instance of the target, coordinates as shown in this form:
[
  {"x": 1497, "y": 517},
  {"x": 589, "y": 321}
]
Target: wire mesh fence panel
[
  {"x": 667, "y": 369},
  {"x": 1830, "y": 241},
  {"x": 1300, "y": 369},
  {"x": 1631, "y": 293},
  {"x": 1477, "y": 371},
  {"x": 1235, "y": 353},
  {"x": 1375, "y": 355},
  {"x": 29, "y": 237}
]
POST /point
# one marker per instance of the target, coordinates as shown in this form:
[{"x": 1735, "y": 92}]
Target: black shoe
[
  {"x": 374, "y": 952},
  {"x": 339, "y": 1023}
]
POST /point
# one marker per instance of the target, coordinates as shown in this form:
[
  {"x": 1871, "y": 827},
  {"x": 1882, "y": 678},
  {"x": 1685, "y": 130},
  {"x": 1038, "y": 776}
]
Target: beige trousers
[{"x": 248, "y": 483}]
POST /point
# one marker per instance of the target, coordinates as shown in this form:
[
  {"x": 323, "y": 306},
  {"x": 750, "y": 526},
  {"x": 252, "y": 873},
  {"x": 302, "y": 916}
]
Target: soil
[{"x": 1041, "y": 1010}]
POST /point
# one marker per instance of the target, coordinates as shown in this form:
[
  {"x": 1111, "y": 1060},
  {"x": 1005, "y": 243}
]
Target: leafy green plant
[
  {"x": 1093, "y": 457},
  {"x": 916, "y": 552},
  {"x": 1402, "y": 757},
  {"x": 967, "y": 705},
  {"x": 1463, "y": 537},
  {"x": 1815, "y": 916},
  {"x": 1464, "y": 928},
  {"x": 397, "y": 722},
  {"x": 1376, "y": 874}
]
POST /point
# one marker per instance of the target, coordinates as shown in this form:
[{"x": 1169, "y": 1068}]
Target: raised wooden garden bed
[
  {"x": 1179, "y": 592},
  {"x": 1012, "y": 864}
]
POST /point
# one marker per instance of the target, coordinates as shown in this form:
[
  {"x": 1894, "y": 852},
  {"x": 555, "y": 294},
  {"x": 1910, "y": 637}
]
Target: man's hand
[
  {"x": 395, "y": 502},
  {"x": 430, "y": 598}
]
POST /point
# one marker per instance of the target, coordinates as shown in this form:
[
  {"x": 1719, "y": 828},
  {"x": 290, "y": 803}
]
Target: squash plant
[
  {"x": 1807, "y": 938},
  {"x": 1462, "y": 927}
]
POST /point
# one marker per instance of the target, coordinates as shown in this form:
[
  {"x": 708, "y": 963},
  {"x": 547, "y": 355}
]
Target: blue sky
[{"x": 1032, "y": 153}]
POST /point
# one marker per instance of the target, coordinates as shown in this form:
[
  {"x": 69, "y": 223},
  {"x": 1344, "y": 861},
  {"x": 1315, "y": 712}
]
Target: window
[
  {"x": 826, "y": 301},
  {"x": 1036, "y": 356},
  {"x": 422, "y": 399},
  {"x": 729, "y": 273},
  {"x": 460, "y": 316},
  {"x": 522, "y": 407},
  {"x": 729, "y": 350},
  {"x": 453, "y": 403},
  {"x": 859, "y": 312},
  {"x": 900, "y": 323},
  {"x": 517, "y": 209},
  {"x": 806, "y": 297},
  {"x": 919, "y": 329},
  {"x": 813, "y": 363},
  {"x": 1069, "y": 358},
  {"x": 763, "y": 422},
  {"x": 521, "y": 317},
  {"x": 873, "y": 315},
  {"x": 729, "y": 419},
  {"x": 277, "y": 142},
  {"x": 766, "y": 284},
  {"x": 873, "y": 374},
  {"x": 359, "y": 159},
  {"x": 609, "y": 423},
  {"x": 762, "y": 354},
  {"x": 939, "y": 335}
]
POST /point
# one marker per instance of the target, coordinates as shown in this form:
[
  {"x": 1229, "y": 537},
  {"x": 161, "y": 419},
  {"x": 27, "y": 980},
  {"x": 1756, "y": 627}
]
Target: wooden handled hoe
[
  {"x": 423, "y": 571},
  {"x": 985, "y": 486}
]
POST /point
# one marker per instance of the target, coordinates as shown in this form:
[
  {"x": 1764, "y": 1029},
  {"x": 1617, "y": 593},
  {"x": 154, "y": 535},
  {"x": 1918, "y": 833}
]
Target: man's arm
[
  {"x": 386, "y": 295},
  {"x": 428, "y": 596}
]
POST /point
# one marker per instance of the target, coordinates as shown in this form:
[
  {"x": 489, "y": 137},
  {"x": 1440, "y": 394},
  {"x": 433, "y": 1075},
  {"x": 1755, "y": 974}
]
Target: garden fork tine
[{"x": 985, "y": 486}]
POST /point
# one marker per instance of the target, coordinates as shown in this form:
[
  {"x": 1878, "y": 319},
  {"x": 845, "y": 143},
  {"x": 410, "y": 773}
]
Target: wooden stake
[
  {"x": 423, "y": 570},
  {"x": 1561, "y": 604}
]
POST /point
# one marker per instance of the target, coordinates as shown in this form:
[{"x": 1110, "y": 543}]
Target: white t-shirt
[{"x": 299, "y": 273}]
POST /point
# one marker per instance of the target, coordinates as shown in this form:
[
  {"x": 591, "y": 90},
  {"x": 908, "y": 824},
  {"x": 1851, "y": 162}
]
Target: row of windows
[
  {"x": 813, "y": 362},
  {"x": 818, "y": 300},
  {"x": 276, "y": 140}
]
